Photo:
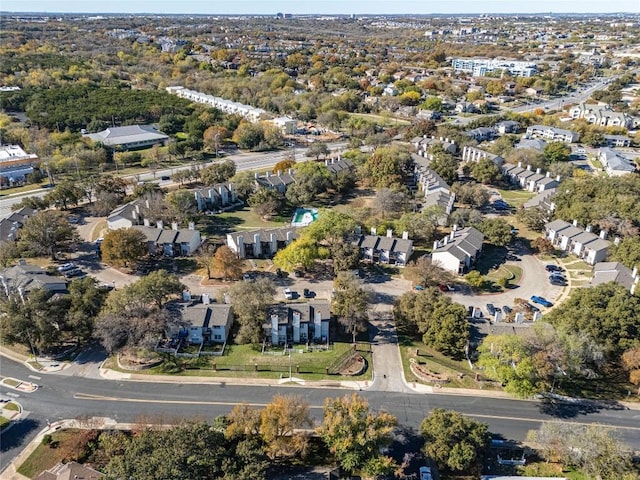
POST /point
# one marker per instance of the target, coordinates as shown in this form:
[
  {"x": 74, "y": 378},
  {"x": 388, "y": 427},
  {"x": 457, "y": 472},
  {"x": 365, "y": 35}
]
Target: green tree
[
  {"x": 86, "y": 301},
  {"x": 627, "y": 252},
  {"x": 266, "y": 202},
  {"x": 64, "y": 194},
  {"x": 486, "y": 171},
  {"x": 475, "y": 279},
  {"x": 556, "y": 152},
  {"x": 449, "y": 334},
  {"x": 182, "y": 205},
  {"x": 317, "y": 150},
  {"x": 249, "y": 135},
  {"x": 426, "y": 273},
  {"x": 218, "y": 172},
  {"x": 444, "y": 164},
  {"x": 386, "y": 167},
  {"x": 350, "y": 303},
  {"x": 535, "y": 218},
  {"x": 355, "y": 434},
  {"x": 496, "y": 231},
  {"x": 454, "y": 442},
  {"x": 250, "y": 301},
  {"x": 434, "y": 104},
  {"x": 8, "y": 253},
  {"x": 46, "y": 233},
  {"x": 123, "y": 246},
  {"x": 156, "y": 287},
  {"x": 301, "y": 253},
  {"x": 244, "y": 183},
  {"x": 311, "y": 180}
]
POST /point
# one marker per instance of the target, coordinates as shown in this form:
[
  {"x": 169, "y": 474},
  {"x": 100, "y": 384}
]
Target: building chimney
[
  {"x": 268, "y": 174},
  {"x": 520, "y": 164},
  {"x": 174, "y": 226},
  {"x": 389, "y": 233},
  {"x": 616, "y": 241},
  {"x": 529, "y": 168},
  {"x": 452, "y": 235},
  {"x": 206, "y": 299},
  {"x": 575, "y": 223},
  {"x": 256, "y": 175},
  {"x": 634, "y": 273},
  {"x": 538, "y": 170},
  {"x": 373, "y": 231},
  {"x": 192, "y": 226},
  {"x": 146, "y": 222},
  {"x": 548, "y": 174},
  {"x": 159, "y": 224},
  {"x": 455, "y": 227},
  {"x": 405, "y": 235},
  {"x": 291, "y": 171},
  {"x": 435, "y": 245},
  {"x": 603, "y": 234},
  {"x": 558, "y": 177}
]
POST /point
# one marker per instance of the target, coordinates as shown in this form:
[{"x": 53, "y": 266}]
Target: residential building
[
  {"x": 542, "y": 200},
  {"x": 481, "y": 67},
  {"x": 507, "y": 126},
  {"x": 428, "y": 115},
  {"x": 298, "y": 323},
  {"x": 424, "y": 143},
  {"x": 615, "y": 163},
  {"x": 131, "y": 137},
  {"x": 459, "y": 250},
  {"x": 533, "y": 181},
  {"x": 24, "y": 278},
  {"x": 482, "y": 134},
  {"x": 287, "y": 125},
  {"x": 532, "y": 143},
  {"x": 465, "y": 107},
  {"x": 386, "y": 250},
  {"x": 248, "y": 112},
  {"x": 206, "y": 323},
  {"x": 10, "y": 225},
  {"x": 216, "y": 197},
  {"x": 172, "y": 242},
  {"x": 552, "y": 134},
  {"x": 601, "y": 115},
  {"x": 583, "y": 243},
  {"x": 15, "y": 164},
  {"x": 127, "y": 215},
  {"x": 473, "y": 154},
  {"x": 605, "y": 272},
  {"x": 337, "y": 165},
  {"x": 620, "y": 141},
  {"x": 70, "y": 471},
  {"x": 436, "y": 191},
  {"x": 260, "y": 243}
]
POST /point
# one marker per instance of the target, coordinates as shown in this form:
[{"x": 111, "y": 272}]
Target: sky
[{"x": 321, "y": 6}]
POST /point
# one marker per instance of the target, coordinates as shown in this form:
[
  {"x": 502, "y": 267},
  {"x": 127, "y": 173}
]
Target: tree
[
  {"x": 543, "y": 245},
  {"x": 250, "y": 302},
  {"x": 390, "y": 201},
  {"x": 301, "y": 253},
  {"x": 556, "y": 152},
  {"x": 454, "y": 442},
  {"x": 284, "y": 165},
  {"x": 345, "y": 256},
  {"x": 350, "y": 303},
  {"x": 213, "y": 136},
  {"x": 486, "y": 171},
  {"x": 311, "y": 180},
  {"x": 449, "y": 334},
  {"x": 627, "y": 252},
  {"x": 427, "y": 273},
  {"x": 444, "y": 164},
  {"x": 218, "y": 172},
  {"x": 244, "y": 184},
  {"x": 535, "y": 218},
  {"x": 281, "y": 423},
  {"x": 475, "y": 279},
  {"x": 420, "y": 225},
  {"x": 631, "y": 363},
  {"x": 386, "y": 167},
  {"x": 8, "y": 253},
  {"x": 249, "y": 135},
  {"x": 266, "y": 202},
  {"x": 64, "y": 194},
  {"x": 592, "y": 449},
  {"x": 47, "y": 233},
  {"x": 86, "y": 301},
  {"x": 227, "y": 263},
  {"x": 123, "y": 246},
  {"x": 182, "y": 205},
  {"x": 204, "y": 258},
  {"x": 318, "y": 149},
  {"x": 156, "y": 287},
  {"x": 496, "y": 231},
  {"x": 353, "y": 433},
  {"x": 471, "y": 194}
]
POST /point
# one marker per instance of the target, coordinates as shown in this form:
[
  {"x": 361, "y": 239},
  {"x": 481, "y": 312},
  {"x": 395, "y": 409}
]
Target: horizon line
[{"x": 34, "y": 12}]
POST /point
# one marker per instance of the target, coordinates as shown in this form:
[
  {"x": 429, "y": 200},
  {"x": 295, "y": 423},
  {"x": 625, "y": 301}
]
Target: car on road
[
  {"x": 553, "y": 268},
  {"x": 557, "y": 276},
  {"x": 165, "y": 177},
  {"x": 491, "y": 309},
  {"x": 541, "y": 301},
  {"x": 66, "y": 267},
  {"x": 306, "y": 293},
  {"x": 288, "y": 293}
]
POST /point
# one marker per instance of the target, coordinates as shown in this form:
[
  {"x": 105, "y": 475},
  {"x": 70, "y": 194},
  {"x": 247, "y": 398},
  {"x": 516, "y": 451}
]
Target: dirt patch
[
  {"x": 356, "y": 365},
  {"x": 128, "y": 360}
]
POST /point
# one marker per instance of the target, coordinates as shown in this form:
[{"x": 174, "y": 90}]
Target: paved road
[
  {"x": 244, "y": 161},
  {"x": 63, "y": 397}
]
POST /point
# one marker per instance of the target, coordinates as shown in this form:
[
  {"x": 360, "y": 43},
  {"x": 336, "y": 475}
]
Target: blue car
[{"x": 541, "y": 301}]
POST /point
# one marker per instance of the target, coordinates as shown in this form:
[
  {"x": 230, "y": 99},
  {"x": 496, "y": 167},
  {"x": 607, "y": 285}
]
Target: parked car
[
  {"x": 425, "y": 473},
  {"x": 507, "y": 309},
  {"x": 419, "y": 288},
  {"x": 288, "y": 293},
  {"x": 445, "y": 287},
  {"x": 247, "y": 277},
  {"x": 541, "y": 301},
  {"x": 491, "y": 309},
  {"x": 306, "y": 293},
  {"x": 66, "y": 267},
  {"x": 553, "y": 268},
  {"x": 558, "y": 277}
]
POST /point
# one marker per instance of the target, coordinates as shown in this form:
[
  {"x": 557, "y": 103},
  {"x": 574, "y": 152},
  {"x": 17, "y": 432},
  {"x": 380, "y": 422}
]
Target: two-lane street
[{"x": 61, "y": 397}]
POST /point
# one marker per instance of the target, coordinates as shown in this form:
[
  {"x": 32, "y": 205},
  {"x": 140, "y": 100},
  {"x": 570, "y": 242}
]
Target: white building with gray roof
[
  {"x": 459, "y": 250},
  {"x": 130, "y": 137}
]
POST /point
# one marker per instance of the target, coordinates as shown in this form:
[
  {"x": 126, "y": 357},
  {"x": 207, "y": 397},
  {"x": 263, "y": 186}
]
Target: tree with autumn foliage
[
  {"x": 227, "y": 263},
  {"x": 355, "y": 435}
]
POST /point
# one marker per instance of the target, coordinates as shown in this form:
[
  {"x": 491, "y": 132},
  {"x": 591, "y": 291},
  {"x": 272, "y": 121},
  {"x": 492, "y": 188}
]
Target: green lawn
[
  {"x": 385, "y": 121},
  {"x": 247, "y": 218},
  {"x": 24, "y": 188},
  {"x": 239, "y": 361},
  {"x": 12, "y": 406},
  {"x": 3, "y": 422},
  {"x": 516, "y": 198},
  {"x": 437, "y": 363},
  {"x": 45, "y": 456}
]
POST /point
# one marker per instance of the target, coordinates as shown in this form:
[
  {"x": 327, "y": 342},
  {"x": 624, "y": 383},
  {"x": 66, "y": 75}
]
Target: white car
[
  {"x": 288, "y": 294},
  {"x": 67, "y": 266}
]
